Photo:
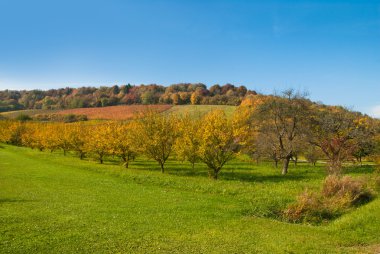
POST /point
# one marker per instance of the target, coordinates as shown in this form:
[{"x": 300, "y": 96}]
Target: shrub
[
  {"x": 308, "y": 208},
  {"x": 353, "y": 191},
  {"x": 69, "y": 118},
  {"x": 23, "y": 117},
  {"x": 338, "y": 195}
]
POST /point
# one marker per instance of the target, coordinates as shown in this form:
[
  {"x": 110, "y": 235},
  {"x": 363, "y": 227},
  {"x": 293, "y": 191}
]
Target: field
[
  {"x": 50, "y": 203},
  {"x": 29, "y": 112},
  {"x": 199, "y": 110},
  {"x": 124, "y": 112}
]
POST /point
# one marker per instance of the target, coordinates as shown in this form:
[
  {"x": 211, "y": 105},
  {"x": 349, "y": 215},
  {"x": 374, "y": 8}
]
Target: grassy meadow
[
  {"x": 124, "y": 112},
  {"x": 199, "y": 110},
  {"x": 50, "y": 203}
]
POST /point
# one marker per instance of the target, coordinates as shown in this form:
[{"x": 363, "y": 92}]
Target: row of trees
[
  {"x": 280, "y": 128},
  {"x": 157, "y": 136},
  {"x": 184, "y": 93}
]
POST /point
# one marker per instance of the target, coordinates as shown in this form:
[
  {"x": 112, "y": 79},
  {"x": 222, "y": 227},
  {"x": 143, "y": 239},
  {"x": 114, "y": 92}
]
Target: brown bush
[
  {"x": 338, "y": 195},
  {"x": 69, "y": 118},
  {"x": 308, "y": 208},
  {"x": 352, "y": 191}
]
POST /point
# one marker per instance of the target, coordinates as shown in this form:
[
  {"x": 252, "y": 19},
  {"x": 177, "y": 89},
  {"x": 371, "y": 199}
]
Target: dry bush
[
  {"x": 308, "y": 208},
  {"x": 347, "y": 190},
  {"x": 338, "y": 195},
  {"x": 377, "y": 183}
]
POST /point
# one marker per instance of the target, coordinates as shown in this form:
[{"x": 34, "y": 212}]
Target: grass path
[{"x": 55, "y": 204}]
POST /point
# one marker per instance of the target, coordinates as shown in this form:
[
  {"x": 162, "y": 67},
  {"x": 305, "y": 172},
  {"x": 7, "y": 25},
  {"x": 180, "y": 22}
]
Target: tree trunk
[
  {"x": 286, "y": 165},
  {"x": 215, "y": 175},
  {"x": 276, "y": 163},
  {"x": 81, "y": 156},
  {"x": 162, "y": 167},
  {"x": 295, "y": 160},
  {"x": 192, "y": 165}
]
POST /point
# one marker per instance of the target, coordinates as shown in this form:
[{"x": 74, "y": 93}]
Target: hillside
[
  {"x": 92, "y": 97},
  {"x": 122, "y": 112},
  {"x": 199, "y": 110}
]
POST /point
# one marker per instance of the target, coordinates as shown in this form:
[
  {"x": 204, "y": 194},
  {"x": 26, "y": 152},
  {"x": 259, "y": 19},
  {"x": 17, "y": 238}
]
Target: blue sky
[{"x": 329, "y": 48}]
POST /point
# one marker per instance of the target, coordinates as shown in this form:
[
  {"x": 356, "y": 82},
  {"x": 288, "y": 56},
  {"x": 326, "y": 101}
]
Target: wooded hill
[{"x": 84, "y": 97}]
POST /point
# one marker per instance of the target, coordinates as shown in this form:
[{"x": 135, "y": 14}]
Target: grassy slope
[
  {"x": 29, "y": 112},
  {"x": 50, "y": 203},
  {"x": 198, "y": 110},
  {"x": 99, "y": 113}
]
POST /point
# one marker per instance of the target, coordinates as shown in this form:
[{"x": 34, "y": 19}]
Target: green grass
[
  {"x": 199, "y": 110},
  {"x": 50, "y": 203},
  {"x": 29, "y": 112}
]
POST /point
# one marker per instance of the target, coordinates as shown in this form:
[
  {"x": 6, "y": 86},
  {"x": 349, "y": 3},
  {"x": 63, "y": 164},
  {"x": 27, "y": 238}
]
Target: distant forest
[{"x": 83, "y": 97}]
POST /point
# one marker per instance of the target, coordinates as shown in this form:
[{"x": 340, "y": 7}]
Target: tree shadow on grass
[
  {"x": 365, "y": 169},
  {"x": 242, "y": 175},
  {"x": 14, "y": 200},
  {"x": 251, "y": 177}
]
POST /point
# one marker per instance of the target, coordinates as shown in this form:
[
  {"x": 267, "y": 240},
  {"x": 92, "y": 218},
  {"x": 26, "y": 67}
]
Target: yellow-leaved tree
[
  {"x": 97, "y": 144},
  {"x": 123, "y": 139},
  {"x": 79, "y": 134},
  {"x": 155, "y": 135},
  {"x": 217, "y": 143},
  {"x": 187, "y": 144}
]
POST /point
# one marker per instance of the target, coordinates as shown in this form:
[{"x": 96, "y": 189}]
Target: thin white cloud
[{"x": 375, "y": 111}]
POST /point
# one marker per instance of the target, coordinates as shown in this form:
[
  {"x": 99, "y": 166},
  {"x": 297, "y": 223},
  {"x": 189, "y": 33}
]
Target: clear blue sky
[{"x": 329, "y": 48}]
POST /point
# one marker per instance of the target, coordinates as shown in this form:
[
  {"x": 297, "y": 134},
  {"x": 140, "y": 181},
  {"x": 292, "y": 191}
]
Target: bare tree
[{"x": 281, "y": 119}]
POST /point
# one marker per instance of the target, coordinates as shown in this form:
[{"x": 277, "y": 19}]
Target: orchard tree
[
  {"x": 312, "y": 154},
  {"x": 97, "y": 143},
  {"x": 63, "y": 136},
  {"x": 217, "y": 143},
  {"x": 122, "y": 141},
  {"x": 155, "y": 135},
  {"x": 365, "y": 138},
  {"x": 34, "y": 136},
  {"x": 281, "y": 119},
  {"x": 335, "y": 131},
  {"x": 187, "y": 143},
  {"x": 79, "y": 134}
]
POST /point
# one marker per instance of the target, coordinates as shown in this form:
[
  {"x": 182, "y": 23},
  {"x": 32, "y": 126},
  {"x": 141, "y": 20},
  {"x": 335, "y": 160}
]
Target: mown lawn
[{"x": 50, "y": 203}]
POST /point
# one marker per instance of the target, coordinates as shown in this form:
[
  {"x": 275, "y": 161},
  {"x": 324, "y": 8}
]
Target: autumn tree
[
  {"x": 187, "y": 143},
  {"x": 63, "y": 136},
  {"x": 312, "y": 154},
  {"x": 122, "y": 141},
  {"x": 97, "y": 143},
  {"x": 280, "y": 122},
  {"x": 335, "y": 131},
  {"x": 79, "y": 134},
  {"x": 34, "y": 136},
  {"x": 155, "y": 135},
  {"x": 217, "y": 143},
  {"x": 365, "y": 144}
]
